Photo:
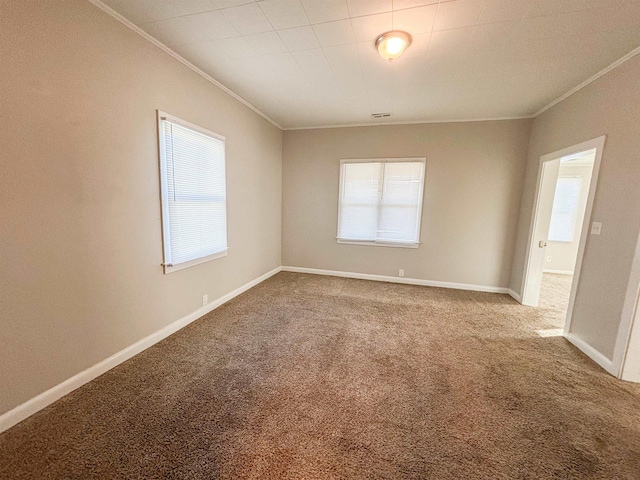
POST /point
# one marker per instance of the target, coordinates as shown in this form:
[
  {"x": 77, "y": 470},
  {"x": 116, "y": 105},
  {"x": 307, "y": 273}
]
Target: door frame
[
  {"x": 626, "y": 354},
  {"x": 598, "y": 145}
]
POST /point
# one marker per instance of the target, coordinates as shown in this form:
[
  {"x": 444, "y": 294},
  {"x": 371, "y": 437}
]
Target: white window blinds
[
  {"x": 564, "y": 213},
  {"x": 381, "y": 201},
  {"x": 194, "y": 218}
]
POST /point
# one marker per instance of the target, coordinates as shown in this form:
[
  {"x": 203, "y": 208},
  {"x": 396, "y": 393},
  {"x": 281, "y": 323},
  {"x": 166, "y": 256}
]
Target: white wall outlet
[
  {"x": 401, "y": 273},
  {"x": 548, "y": 259},
  {"x": 596, "y": 228},
  {"x": 205, "y": 299}
]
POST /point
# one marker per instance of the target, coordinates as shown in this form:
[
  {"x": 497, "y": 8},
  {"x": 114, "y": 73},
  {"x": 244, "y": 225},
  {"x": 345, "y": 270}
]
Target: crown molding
[
  {"x": 589, "y": 80},
  {"x": 180, "y": 58},
  {"x": 410, "y": 122}
]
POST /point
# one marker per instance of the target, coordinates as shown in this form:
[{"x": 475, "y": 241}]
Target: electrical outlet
[
  {"x": 401, "y": 273},
  {"x": 205, "y": 299},
  {"x": 548, "y": 259},
  {"x": 596, "y": 228}
]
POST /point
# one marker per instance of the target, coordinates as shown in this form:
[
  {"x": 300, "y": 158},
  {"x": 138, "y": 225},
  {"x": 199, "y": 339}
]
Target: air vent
[{"x": 380, "y": 115}]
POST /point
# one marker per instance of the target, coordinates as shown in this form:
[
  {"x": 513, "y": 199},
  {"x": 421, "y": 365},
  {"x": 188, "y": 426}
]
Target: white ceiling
[{"x": 313, "y": 62}]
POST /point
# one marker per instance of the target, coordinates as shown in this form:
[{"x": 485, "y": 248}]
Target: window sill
[
  {"x": 181, "y": 266},
  {"x": 379, "y": 244}
]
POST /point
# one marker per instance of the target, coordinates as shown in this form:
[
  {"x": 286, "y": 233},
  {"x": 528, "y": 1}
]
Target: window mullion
[
  {"x": 380, "y": 197},
  {"x": 173, "y": 163}
]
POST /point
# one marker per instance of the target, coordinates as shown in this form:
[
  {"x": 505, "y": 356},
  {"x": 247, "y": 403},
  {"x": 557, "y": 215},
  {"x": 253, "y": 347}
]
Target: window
[
  {"x": 381, "y": 201},
  {"x": 194, "y": 207},
  {"x": 564, "y": 214}
]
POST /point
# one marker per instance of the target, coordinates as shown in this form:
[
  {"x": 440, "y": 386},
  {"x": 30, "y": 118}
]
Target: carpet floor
[
  {"x": 311, "y": 377},
  {"x": 554, "y": 297}
]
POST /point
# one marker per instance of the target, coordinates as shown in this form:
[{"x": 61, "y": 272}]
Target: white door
[{"x": 537, "y": 249}]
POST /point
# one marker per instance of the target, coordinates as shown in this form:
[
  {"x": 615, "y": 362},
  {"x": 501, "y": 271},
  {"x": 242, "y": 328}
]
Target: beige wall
[
  {"x": 563, "y": 254},
  {"x": 609, "y": 106},
  {"x": 80, "y": 231},
  {"x": 472, "y": 195}
]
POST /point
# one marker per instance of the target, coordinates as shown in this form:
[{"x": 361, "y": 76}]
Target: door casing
[{"x": 532, "y": 265}]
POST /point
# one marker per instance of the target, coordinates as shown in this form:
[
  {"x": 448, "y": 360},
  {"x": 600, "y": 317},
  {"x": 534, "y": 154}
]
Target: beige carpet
[
  {"x": 310, "y": 377},
  {"x": 554, "y": 297}
]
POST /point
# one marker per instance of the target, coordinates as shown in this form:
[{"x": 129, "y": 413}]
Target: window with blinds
[
  {"x": 564, "y": 213},
  {"x": 194, "y": 206},
  {"x": 381, "y": 201}
]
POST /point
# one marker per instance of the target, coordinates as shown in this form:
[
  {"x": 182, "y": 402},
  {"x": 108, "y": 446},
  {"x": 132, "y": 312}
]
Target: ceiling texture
[{"x": 306, "y": 63}]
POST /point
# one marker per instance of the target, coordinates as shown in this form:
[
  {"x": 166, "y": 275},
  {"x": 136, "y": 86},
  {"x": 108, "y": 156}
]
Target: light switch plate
[{"x": 596, "y": 228}]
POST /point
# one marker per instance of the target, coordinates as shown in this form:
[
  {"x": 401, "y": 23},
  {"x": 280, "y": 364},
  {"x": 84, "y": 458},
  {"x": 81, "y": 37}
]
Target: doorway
[
  {"x": 560, "y": 225},
  {"x": 565, "y": 228}
]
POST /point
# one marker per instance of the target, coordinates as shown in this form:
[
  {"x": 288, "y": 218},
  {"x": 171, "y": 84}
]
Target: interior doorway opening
[
  {"x": 560, "y": 225},
  {"x": 565, "y": 229}
]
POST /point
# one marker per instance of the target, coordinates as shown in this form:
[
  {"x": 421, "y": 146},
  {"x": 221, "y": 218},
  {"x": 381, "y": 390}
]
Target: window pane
[
  {"x": 400, "y": 202},
  {"x": 380, "y": 201},
  {"x": 359, "y": 201},
  {"x": 198, "y": 164},
  {"x": 398, "y": 223},
  {"x": 195, "y": 194},
  {"x": 564, "y": 214}
]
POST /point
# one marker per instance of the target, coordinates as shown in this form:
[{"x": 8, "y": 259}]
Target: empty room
[{"x": 320, "y": 239}]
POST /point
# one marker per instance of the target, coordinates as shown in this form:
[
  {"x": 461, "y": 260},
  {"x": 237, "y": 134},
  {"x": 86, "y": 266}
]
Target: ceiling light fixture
[{"x": 390, "y": 45}]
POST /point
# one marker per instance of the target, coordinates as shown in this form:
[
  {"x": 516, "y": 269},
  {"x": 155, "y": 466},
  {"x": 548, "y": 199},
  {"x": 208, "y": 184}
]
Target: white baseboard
[
  {"x": 408, "y": 281},
  {"x": 516, "y": 296},
  {"x": 591, "y": 352},
  {"x": 28, "y": 408},
  {"x": 561, "y": 272}
]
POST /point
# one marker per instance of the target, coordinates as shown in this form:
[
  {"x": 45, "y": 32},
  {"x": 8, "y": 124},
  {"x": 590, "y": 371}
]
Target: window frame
[
  {"x": 164, "y": 193},
  {"x": 381, "y": 243}
]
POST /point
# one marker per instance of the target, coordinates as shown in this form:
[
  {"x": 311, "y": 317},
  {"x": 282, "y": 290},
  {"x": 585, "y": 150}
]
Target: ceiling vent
[{"x": 380, "y": 115}]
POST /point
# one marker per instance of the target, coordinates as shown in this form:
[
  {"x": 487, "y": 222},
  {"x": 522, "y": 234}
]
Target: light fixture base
[{"x": 390, "y": 45}]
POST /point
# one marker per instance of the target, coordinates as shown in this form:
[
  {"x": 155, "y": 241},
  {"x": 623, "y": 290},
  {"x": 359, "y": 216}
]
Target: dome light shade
[{"x": 390, "y": 45}]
